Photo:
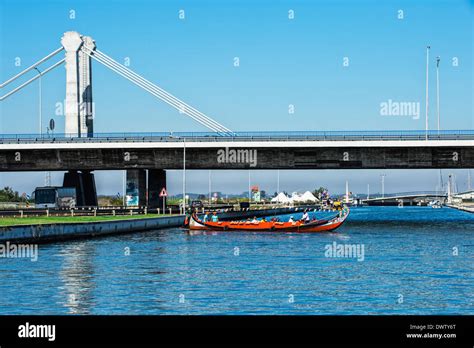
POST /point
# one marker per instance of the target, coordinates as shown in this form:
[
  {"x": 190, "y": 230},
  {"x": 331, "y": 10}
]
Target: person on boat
[
  {"x": 291, "y": 219},
  {"x": 255, "y": 221},
  {"x": 305, "y": 217},
  {"x": 206, "y": 217},
  {"x": 264, "y": 220},
  {"x": 214, "y": 217}
]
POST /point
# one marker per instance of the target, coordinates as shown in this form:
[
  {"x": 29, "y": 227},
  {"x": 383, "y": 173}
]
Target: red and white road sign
[{"x": 163, "y": 193}]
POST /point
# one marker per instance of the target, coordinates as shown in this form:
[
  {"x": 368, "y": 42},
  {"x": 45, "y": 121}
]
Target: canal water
[{"x": 384, "y": 260}]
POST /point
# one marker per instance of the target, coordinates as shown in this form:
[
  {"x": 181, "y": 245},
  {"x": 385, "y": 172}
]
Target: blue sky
[{"x": 282, "y": 62}]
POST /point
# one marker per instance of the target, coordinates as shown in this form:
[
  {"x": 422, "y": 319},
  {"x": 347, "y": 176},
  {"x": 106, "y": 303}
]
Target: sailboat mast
[{"x": 426, "y": 101}]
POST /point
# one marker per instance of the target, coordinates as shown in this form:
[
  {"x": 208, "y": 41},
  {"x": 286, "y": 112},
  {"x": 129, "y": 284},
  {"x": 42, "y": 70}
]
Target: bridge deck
[
  {"x": 242, "y": 136},
  {"x": 250, "y": 150}
]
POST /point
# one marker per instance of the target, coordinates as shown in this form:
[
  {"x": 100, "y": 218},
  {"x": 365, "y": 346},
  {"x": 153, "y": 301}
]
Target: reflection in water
[
  {"x": 407, "y": 251},
  {"x": 76, "y": 276}
]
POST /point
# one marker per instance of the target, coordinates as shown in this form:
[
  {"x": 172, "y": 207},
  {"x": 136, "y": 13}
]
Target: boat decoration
[{"x": 299, "y": 226}]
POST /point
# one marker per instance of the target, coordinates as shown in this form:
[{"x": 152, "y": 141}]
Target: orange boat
[{"x": 325, "y": 225}]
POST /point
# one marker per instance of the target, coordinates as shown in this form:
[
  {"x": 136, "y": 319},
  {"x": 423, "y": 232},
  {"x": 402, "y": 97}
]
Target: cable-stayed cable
[
  {"x": 52, "y": 54},
  {"x": 162, "y": 91},
  {"x": 44, "y": 72},
  {"x": 140, "y": 84},
  {"x": 157, "y": 91}
]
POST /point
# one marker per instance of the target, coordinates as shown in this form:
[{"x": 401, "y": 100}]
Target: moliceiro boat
[{"x": 326, "y": 225}]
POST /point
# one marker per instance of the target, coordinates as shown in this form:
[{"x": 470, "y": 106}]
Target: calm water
[{"x": 408, "y": 267}]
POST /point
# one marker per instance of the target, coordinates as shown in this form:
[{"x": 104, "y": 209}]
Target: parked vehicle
[
  {"x": 55, "y": 197},
  {"x": 197, "y": 205},
  {"x": 244, "y": 205}
]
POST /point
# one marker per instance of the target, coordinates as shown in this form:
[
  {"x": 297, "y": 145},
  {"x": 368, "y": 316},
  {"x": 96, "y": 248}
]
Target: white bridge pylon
[{"x": 78, "y": 109}]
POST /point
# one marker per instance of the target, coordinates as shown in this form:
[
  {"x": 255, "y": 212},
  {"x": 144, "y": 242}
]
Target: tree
[
  {"x": 319, "y": 192},
  {"x": 8, "y": 195},
  {"x": 116, "y": 200}
]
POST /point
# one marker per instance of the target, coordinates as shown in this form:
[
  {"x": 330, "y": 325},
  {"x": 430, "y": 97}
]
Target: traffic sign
[{"x": 163, "y": 193}]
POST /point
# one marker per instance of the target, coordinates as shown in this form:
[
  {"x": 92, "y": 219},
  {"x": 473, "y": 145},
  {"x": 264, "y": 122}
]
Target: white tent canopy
[
  {"x": 281, "y": 198},
  {"x": 295, "y": 198},
  {"x": 306, "y": 197}
]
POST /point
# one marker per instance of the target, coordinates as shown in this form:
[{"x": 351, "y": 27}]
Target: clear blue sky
[{"x": 282, "y": 62}]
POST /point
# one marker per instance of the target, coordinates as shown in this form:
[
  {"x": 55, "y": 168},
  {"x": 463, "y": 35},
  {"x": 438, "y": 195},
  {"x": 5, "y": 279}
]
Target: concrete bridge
[
  {"x": 147, "y": 156},
  {"x": 262, "y": 150},
  {"x": 407, "y": 198}
]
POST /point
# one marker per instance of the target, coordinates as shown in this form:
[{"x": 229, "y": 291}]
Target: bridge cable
[
  {"x": 154, "y": 93},
  {"x": 52, "y": 54},
  {"x": 154, "y": 90},
  {"x": 157, "y": 91},
  {"x": 32, "y": 79},
  {"x": 165, "y": 95}
]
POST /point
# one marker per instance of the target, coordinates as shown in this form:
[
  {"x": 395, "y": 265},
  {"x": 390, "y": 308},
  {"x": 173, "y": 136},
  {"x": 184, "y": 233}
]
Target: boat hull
[{"x": 195, "y": 224}]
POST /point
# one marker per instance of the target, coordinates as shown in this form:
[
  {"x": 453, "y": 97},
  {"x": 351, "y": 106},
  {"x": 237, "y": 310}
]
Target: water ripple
[{"x": 409, "y": 267}]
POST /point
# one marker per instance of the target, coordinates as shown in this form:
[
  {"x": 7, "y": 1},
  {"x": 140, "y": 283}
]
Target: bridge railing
[
  {"x": 409, "y": 194},
  {"x": 243, "y": 136}
]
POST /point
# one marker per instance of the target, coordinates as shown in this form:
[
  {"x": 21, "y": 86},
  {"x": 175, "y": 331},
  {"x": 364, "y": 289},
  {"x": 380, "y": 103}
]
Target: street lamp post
[
  {"x": 184, "y": 176},
  {"x": 47, "y": 175},
  {"x": 278, "y": 181},
  {"x": 469, "y": 187},
  {"x": 426, "y": 101},
  {"x": 383, "y": 185},
  {"x": 124, "y": 187},
  {"x": 210, "y": 187},
  {"x": 437, "y": 91},
  {"x": 440, "y": 179},
  {"x": 40, "y": 106},
  {"x": 250, "y": 194}
]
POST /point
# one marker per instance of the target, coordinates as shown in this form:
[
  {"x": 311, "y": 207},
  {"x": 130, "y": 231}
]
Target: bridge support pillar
[
  {"x": 90, "y": 192},
  {"x": 78, "y": 103},
  {"x": 135, "y": 187},
  {"x": 156, "y": 182},
  {"x": 84, "y": 183}
]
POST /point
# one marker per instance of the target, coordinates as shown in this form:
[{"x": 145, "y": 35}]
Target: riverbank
[
  {"x": 58, "y": 231},
  {"x": 43, "y": 229},
  {"x": 15, "y": 221},
  {"x": 465, "y": 207}
]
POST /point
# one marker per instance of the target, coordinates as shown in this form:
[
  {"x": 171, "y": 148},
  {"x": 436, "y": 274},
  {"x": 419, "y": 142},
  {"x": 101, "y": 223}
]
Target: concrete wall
[
  {"x": 62, "y": 231},
  {"x": 84, "y": 183},
  {"x": 136, "y": 187},
  {"x": 98, "y": 158},
  {"x": 156, "y": 182}
]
